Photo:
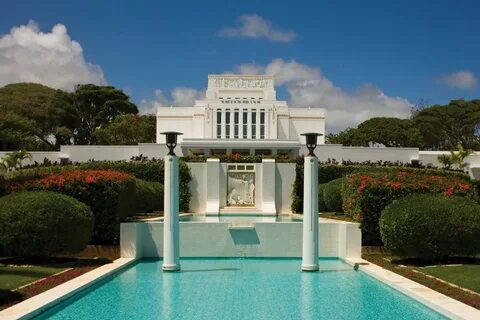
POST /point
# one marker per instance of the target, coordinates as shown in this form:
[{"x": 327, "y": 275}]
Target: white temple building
[{"x": 240, "y": 114}]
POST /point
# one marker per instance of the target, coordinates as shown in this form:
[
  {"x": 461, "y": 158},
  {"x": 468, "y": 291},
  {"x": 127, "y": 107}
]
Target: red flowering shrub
[
  {"x": 365, "y": 195},
  {"x": 110, "y": 195}
]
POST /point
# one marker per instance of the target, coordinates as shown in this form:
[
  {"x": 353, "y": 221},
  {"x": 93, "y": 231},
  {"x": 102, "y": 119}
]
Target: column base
[
  {"x": 171, "y": 267},
  {"x": 310, "y": 267}
]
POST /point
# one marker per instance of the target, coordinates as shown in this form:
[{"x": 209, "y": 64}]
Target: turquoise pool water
[{"x": 240, "y": 289}]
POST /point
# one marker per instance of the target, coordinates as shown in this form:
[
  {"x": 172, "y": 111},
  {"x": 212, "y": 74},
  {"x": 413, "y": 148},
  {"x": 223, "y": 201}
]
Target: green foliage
[
  {"x": 332, "y": 195},
  {"x": 321, "y": 203},
  {"x": 148, "y": 196},
  {"x": 328, "y": 172},
  {"x": 109, "y": 194},
  {"x": 446, "y": 127},
  {"x": 128, "y": 130},
  {"x": 95, "y": 107},
  {"x": 14, "y": 159},
  {"x": 42, "y": 223},
  {"x": 365, "y": 195},
  {"x": 391, "y": 132},
  {"x": 31, "y": 115},
  {"x": 151, "y": 170},
  {"x": 455, "y": 158},
  {"x": 431, "y": 227}
]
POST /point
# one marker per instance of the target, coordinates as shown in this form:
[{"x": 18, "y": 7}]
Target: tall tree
[
  {"x": 447, "y": 127},
  {"x": 34, "y": 116},
  {"x": 128, "y": 129},
  {"x": 95, "y": 107},
  {"x": 390, "y": 132}
]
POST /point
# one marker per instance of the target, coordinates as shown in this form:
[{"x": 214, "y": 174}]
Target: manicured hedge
[
  {"x": 332, "y": 195},
  {"x": 148, "y": 196},
  {"x": 365, "y": 195},
  {"x": 151, "y": 170},
  {"x": 110, "y": 195},
  {"x": 328, "y": 172},
  {"x": 431, "y": 226},
  {"x": 321, "y": 203},
  {"x": 43, "y": 223}
]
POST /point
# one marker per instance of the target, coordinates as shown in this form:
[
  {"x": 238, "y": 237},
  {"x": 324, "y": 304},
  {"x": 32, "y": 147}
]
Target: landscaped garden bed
[{"x": 456, "y": 282}]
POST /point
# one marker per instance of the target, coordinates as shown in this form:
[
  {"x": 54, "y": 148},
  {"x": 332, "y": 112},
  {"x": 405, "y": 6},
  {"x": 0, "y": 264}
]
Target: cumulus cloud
[
  {"x": 464, "y": 80},
  {"x": 308, "y": 87},
  {"x": 254, "y": 26},
  {"x": 51, "y": 58},
  {"x": 180, "y": 97}
]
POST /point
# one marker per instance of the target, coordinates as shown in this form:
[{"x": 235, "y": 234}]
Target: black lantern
[
  {"x": 311, "y": 139},
  {"x": 171, "y": 138}
]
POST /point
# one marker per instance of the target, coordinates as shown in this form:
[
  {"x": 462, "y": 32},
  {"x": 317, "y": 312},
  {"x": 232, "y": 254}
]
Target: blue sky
[{"x": 408, "y": 50}]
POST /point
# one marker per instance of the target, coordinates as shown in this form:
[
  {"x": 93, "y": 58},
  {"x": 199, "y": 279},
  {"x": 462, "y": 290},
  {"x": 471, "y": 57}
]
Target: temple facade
[{"x": 240, "y": 114}]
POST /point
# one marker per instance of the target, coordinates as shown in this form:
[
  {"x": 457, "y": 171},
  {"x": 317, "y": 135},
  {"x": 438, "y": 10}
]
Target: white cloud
[
  {"x": 308, "y": 87},
  {"x": 180, "y": 97},
  {"x": 464, "y": 80},
  {"x": 255, "y": 27},
  {"x": 51, "y": 58}
]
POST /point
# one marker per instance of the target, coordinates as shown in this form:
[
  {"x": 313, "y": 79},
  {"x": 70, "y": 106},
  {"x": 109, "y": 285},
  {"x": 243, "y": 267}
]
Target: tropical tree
[
  {"x": 13, "y": 160},
  {"x": 456, "y": 158},
  {"x": 128, "y": 130},
  {"x": 446, "y": 127},
  {"x": 390, "y": 132},
  {"x": 34, "y": 116},
  {"x": 95, "y": 107}
]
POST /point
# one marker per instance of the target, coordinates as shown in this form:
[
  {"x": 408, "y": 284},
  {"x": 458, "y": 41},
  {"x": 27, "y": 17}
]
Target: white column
[
  {"x": 268, "y": 187},
  {"x": 249, "y": 124},
  {"x": 223, "y": 123},
  {"x": 213, "y": 187},
  {"x": 171, "y": 227},
  {"x": 310, "y": 215}
]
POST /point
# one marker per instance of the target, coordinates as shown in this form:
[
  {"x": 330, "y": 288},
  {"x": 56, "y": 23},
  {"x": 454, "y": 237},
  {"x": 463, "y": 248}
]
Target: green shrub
[
  {"x": 147, "y": 170},
  {"x": 431, "y": 226},
  {"x": 366, "y": 195},
  {"x": 42, "y": 223},
  {"x": 148, "y": 196},
  {"x": 110, "y": 195},
  {"x": 328, "y": 172},
  {"x": 332, "y": 195},
  {"x": 321, "y": 203}
]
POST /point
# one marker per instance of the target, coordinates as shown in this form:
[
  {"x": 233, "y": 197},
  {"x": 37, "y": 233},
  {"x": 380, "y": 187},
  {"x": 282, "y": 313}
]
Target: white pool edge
[
  {"x": 436, "y": 301},
  {"x": 32, "y": 307}
]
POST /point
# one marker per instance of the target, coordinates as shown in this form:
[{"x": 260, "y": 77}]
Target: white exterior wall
[
  {"x": 361, "y": 154},
  {"x": 37, "y": 156},
  {"x": 99, "y": 153},
  {"x": 218, "y": 239}
]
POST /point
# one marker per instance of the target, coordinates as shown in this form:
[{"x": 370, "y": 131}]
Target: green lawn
[
  {"x": 12, "y": 277},
  {"x": 467, "y": 276}
]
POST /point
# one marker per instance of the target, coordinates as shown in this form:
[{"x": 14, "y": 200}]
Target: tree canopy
[
  {"x": 129, "y": 130},
  {"x": 95, "y": 107},
  {"x": 438, "y": 127},
  {"x": 390, "y": 132},
  {"x": 33, "y": 116},
  {"x": 36, "y": 117}
]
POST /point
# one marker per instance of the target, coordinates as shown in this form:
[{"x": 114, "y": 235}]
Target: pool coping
[
  {"x": 35, "y": 305},
  {"x": 436, "y": 301}
]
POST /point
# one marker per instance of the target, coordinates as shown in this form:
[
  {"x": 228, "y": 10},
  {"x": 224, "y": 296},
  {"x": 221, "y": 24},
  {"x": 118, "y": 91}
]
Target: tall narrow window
[
  {"x": 219, "y": 124},
  {"x": 245, "y": 123},
  {"x": 227, "y": 124},
  {"x": 235, "y": 123},
  {"x": 254, "y": 124},
  {"x": 262, "y": 123}
]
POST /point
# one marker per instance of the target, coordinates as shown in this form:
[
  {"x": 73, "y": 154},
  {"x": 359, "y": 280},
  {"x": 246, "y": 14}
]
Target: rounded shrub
[
  {"x": 332, "y": 195},
  {"x": 148, "y": 196},
  {"x": 321, "y": 203},
  {"x": 43, "y": 223},
  {"x": 431, "y": 226}
]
